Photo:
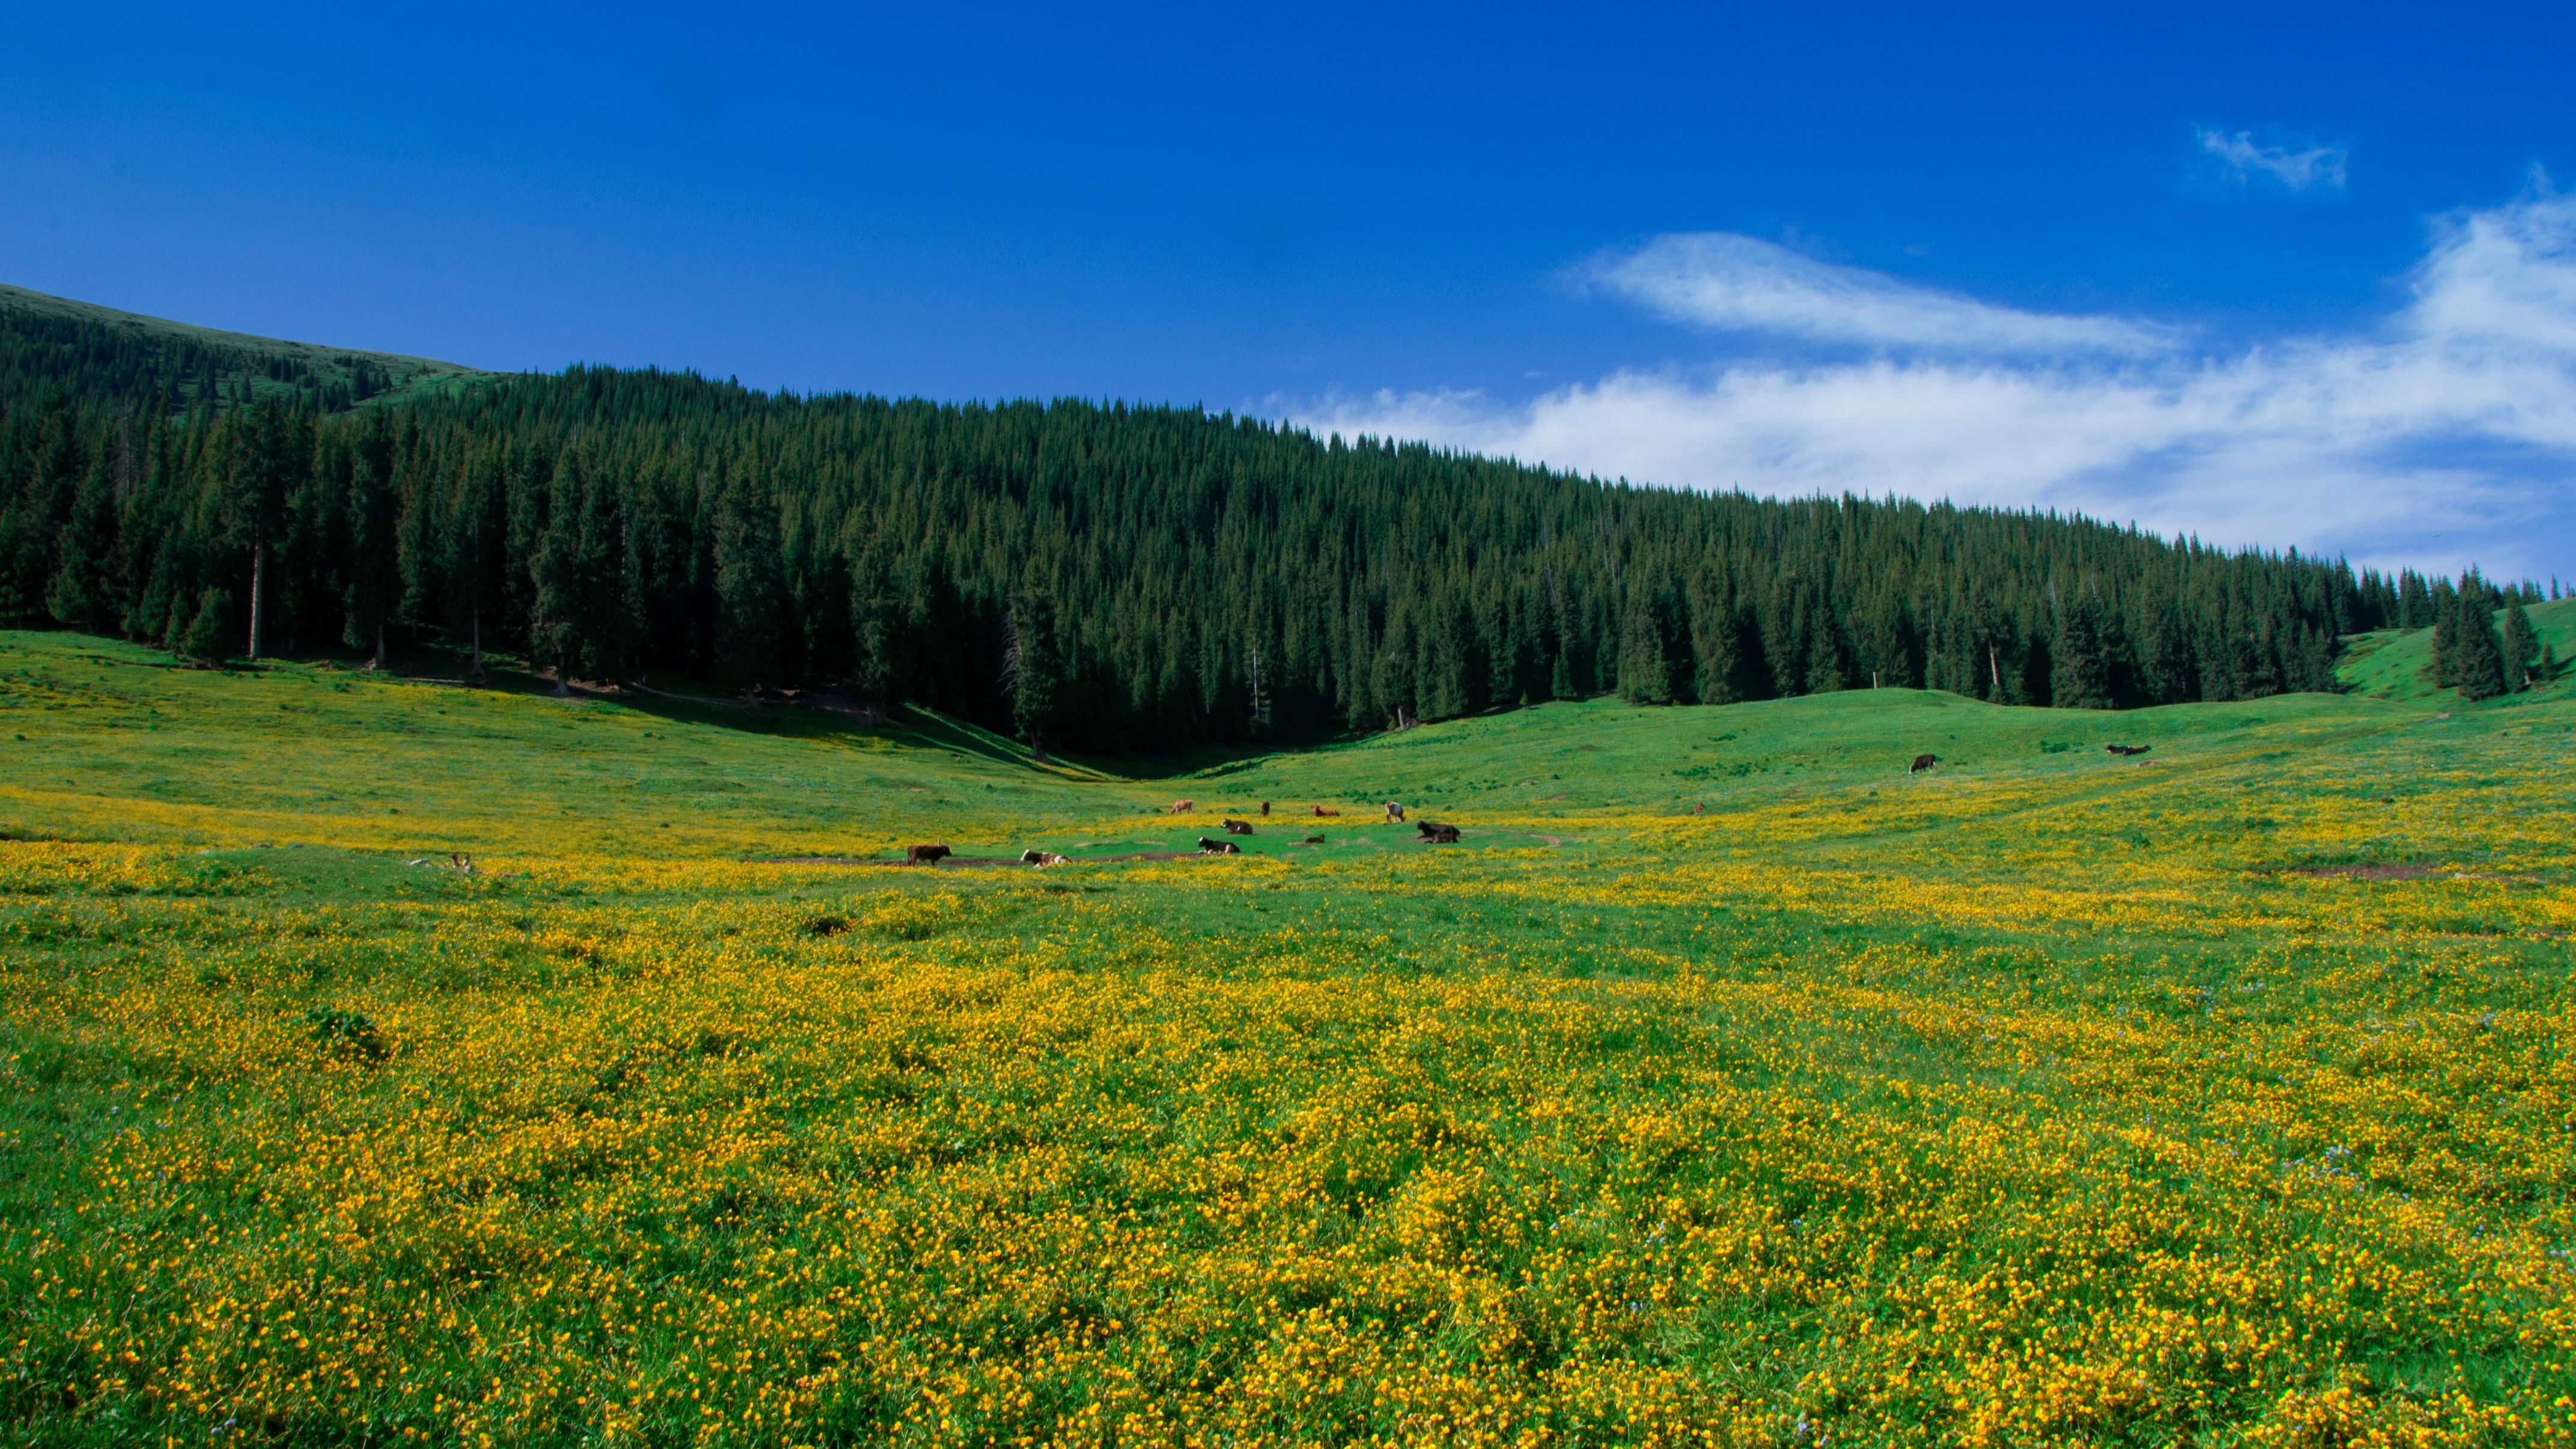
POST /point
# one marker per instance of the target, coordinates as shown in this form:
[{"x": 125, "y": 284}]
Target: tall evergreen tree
[
  {"x": 1032, "y": 668},
  {"x": 375, "y": 582},
  {"x": 2479, "y": 666},
  {"x": 83, "y": 591},
  {"x": 751, "y": 584},
  {"x": 2079, "y": 661},
  {"x": 2521, "y": 649}
]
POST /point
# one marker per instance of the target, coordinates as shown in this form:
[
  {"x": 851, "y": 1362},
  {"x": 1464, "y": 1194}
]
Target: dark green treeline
[{"x": 1116, "y": 578}]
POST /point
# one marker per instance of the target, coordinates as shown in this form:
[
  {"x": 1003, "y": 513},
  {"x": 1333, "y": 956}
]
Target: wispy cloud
[
  {"x": 1738, "y": 284},
  {"x": 2445, "y": 435},
  {"x": 2241, "y": 158}
]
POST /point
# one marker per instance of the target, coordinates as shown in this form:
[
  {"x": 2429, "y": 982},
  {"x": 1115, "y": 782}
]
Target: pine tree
[
  {"x": 2521, "y": 649},
  {"x": 751, "y": 585},
  {"x": 375, "y": 560},
  {"x": 83, "y": 593},
  {"x": 874, "y": 629},
  {"x": 2443, "y": 670},
  {"x": 2079, "y": 669},
  {"x": 606, "y": 582},
  {"x": 202, "y": 637},
  {"x": 554, "y": 615},
  {"x": 1646, "y": 663},
  {"x": 2480, "y": 665},
  {"x": 1031, "y": 666}
]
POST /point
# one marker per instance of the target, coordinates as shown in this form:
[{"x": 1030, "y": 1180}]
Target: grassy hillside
[
  {"x": 2390, "y": 664},
  {"x": 241, "y": 357},
  {"x": 2216, "y": 1094}
]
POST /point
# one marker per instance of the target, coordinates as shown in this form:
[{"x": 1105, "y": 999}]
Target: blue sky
[{"x": 2288, "y": 276}]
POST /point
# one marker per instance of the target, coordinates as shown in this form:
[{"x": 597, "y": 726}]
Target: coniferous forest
[{"x": 1098, "y": 576}]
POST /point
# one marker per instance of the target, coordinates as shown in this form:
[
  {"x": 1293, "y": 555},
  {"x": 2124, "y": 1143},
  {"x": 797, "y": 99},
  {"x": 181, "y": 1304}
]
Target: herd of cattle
[{"x": 1433, "y": 832}]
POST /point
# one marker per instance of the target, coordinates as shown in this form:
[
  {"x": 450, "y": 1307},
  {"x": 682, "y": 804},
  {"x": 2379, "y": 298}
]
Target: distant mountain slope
[
  {"x": 102, "y": 357},
  {"x": 1106, "y": 577},
  {"x": 2390, "y": 664}
]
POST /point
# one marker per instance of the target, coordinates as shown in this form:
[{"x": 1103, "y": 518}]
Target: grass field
[{"x": 1726, "y": 1085}]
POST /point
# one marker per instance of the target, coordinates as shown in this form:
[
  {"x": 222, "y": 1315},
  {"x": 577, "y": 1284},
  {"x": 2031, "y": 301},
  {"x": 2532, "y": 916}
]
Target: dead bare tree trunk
[{"x": 258, "y": 577}]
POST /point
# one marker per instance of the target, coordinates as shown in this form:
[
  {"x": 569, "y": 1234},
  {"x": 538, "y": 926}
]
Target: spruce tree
[
  {"x": 83, "y": 592},
  {"x": 1031, "y": 669},
  {"x": 2521, "y": 648},
  {"x": 554, "y": 615},
  {"x": 2480, "y": 667},
  {"x": 751, "y": 585},
  {"x": 2443, "y": 670},
  {"x": 375, "y": 559},
  {"x": 2079, "y": 669},
  {"x": 202, "y": 638}
]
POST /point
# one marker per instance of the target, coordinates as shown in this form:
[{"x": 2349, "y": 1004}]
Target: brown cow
[
  {"x": 1700, "y": 808},
  {"x": 1217, "y": 847},
  {"x": 1265, "y": 809},
  {"x": 1184, "y": 807},
  {"x": 1314, "y": 840},
  {"x": 925, "y": 855},
  {"x": 1923, "y": 763},
  {"x": 1040, "y": 858},
  {"x": 1435, "y": 833},
  {"x": 1321, "y": 812},
  {"x": 1238, "y": 827}
]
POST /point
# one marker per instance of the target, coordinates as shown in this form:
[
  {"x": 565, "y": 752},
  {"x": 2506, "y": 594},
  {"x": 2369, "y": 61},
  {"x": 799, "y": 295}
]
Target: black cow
[
  {"x": 2128, "y": 749},
  {"x": 1435, "y": 833},
  {"x": 1217, "y": 847},
  {"x": 1238, "y": 827},
  {"x": 925, "y": 855},
  {"x": 1923, "y": 763}
]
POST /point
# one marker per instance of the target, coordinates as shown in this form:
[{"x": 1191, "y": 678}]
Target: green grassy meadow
[{"x": 1727, "y": 1084}]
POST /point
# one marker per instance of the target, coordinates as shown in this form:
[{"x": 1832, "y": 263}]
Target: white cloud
[
  {"x": 2446, "y": 436},
  {"x": 2240, "y": 158},
  {"x": 1735, "y": 283}
]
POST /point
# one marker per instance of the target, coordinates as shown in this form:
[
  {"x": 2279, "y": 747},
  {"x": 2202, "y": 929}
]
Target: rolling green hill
[
  {"x": 1162, "y": 579},
  {"x": 104, "y": 357},
  {"x": 2390, "y": 663}
]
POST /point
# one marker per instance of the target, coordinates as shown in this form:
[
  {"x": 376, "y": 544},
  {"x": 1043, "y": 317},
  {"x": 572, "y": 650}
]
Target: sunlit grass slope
[
  {"x": 2049, "y": 1097},
  {"x": 2390, "y": 664}
]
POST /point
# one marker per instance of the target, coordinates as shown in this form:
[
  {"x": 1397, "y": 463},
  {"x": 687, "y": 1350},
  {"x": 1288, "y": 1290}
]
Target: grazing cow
[
  {"x": 1184, "y": 807},
  {"x": 1699, "y": 808},
  {"x": 1265, "y": 809},
  {"x": 925, "y": 855},
  {"x": 2128, "y": 749},
  {"x": 1435, "y": 833},
  {"x": 1923, "y": 763},
  {"x": 1238, "y": 827},
  {"x": 1321, "y": 812},
  {"x": 1040, "y": 858},
  {"x": 1314, "y": 840},
  {"x": 1217, "y": 847},
  {"x": 1394, "y": 811}
]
